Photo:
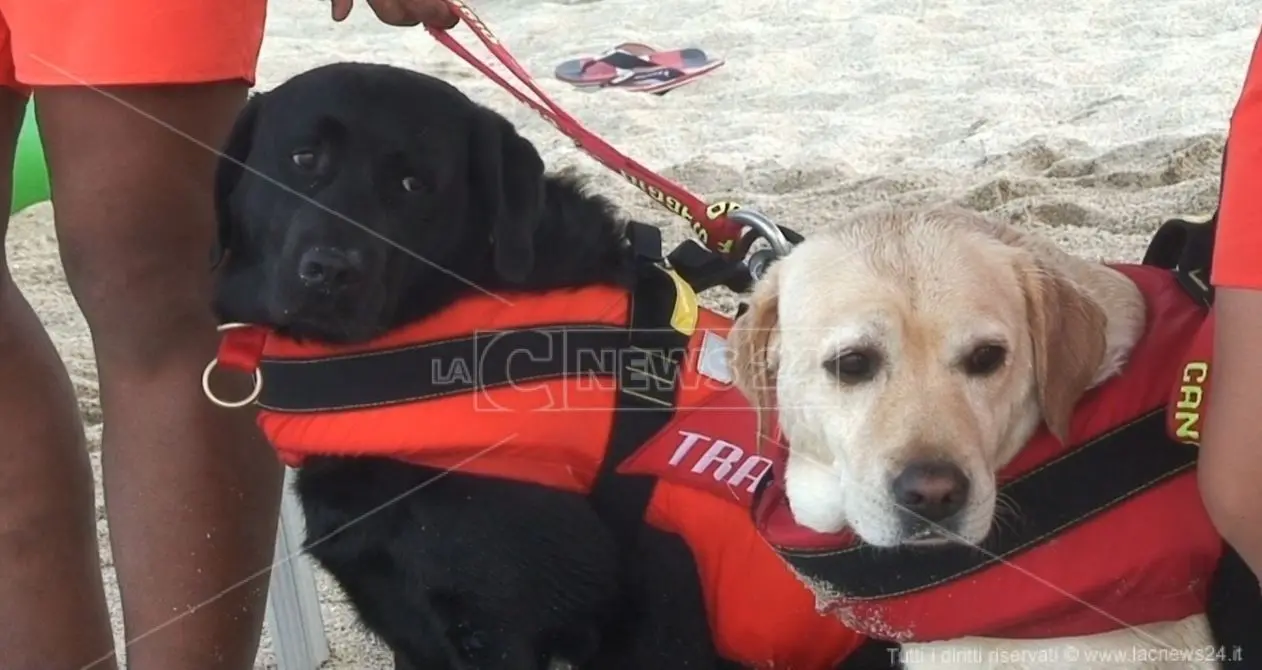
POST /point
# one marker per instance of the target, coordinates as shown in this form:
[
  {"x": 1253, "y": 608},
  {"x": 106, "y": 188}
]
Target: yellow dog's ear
[
  {"x": 754, "y": 337},
  {"x": 1067, "y": 329}
]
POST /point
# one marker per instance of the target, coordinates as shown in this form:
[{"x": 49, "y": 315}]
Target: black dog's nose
[
  {"x": 932, "y": 490},
  {"x": 322, "y": 267}
]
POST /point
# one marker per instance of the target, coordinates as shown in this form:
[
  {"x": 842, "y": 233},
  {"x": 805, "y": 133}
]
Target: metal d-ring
[{"x": 214, "y": 363}]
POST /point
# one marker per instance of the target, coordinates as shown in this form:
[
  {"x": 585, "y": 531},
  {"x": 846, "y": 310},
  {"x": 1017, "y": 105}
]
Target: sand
[{"x": 1089, "y": 121}]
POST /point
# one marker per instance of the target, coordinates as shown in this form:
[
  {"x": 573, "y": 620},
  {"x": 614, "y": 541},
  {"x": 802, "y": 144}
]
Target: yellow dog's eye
[
  {"x": 985, "y": 360},
  {"x": 855, "y": 366}
]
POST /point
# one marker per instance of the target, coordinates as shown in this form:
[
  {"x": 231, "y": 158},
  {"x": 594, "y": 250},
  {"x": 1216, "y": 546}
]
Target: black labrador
[{"x": 355, "y": 198}]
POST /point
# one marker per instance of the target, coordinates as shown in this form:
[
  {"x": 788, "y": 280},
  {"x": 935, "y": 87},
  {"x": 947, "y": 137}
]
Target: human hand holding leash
[{"x": 433, "y": 13}]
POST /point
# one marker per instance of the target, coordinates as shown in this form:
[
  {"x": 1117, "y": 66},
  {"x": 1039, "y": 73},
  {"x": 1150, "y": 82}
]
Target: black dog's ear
[
  {"x": 228, "y": 173},
  {"x": 508, "y": 187}
]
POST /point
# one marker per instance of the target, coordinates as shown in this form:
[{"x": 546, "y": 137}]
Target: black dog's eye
[
  {"x": 304, "y": 159},
  {"x": 854, "y": 367},
  {"x": 411, "y": 184},
  {"x": 985, "y": 360}
]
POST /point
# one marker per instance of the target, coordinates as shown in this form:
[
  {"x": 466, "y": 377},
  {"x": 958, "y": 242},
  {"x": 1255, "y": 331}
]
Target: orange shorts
[
  {"x": 121, "y": 42},
  {"x": 1238, "y": 249}
]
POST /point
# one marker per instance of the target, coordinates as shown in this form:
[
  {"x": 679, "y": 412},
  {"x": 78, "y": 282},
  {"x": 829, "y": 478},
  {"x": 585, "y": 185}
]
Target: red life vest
[
  {"x": 1132, "y": 538},
  {"x": 461, "y": 412}
]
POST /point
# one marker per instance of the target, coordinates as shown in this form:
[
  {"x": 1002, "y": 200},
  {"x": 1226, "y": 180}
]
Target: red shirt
[{"x": 1238, "y": 252}]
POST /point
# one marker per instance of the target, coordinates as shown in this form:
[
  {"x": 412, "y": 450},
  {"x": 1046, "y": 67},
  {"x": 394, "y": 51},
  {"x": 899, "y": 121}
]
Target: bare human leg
[
  {"x": 192, "y": 490},
  {"x": 52, "y": 601}
]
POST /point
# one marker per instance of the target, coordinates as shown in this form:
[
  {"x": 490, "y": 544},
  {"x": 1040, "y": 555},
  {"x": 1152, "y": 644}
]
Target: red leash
[{"x": 710, "y": 223}]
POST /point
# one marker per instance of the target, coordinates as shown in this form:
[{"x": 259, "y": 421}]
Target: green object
[{"x": 30, "y": 172}]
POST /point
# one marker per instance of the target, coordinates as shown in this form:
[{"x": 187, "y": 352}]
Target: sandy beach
[{"x": 1089, "y": 121}]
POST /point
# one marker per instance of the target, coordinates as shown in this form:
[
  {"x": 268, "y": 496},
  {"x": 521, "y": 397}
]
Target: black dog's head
[{"x": 355, "y": 197}]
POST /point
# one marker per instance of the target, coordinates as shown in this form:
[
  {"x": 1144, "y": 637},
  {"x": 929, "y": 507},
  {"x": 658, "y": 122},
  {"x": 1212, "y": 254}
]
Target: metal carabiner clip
[{"x": 764, "y": 228}]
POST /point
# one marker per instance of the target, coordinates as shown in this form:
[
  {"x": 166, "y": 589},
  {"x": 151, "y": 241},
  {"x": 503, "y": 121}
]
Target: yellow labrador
[{"x": 910, "y": 356}]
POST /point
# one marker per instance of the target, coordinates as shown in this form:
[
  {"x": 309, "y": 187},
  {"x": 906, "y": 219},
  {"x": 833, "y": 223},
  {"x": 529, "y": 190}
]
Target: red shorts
[{"x": 121, "y": 42}]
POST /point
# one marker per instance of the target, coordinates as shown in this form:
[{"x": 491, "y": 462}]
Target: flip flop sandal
[
  {"x": 600, "y": 70},
  {"x": 637, "y": 67}
]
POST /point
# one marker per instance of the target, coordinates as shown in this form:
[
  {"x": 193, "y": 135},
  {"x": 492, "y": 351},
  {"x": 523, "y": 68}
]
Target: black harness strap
[
  {"x": 703, "y": 269},
  {"x": 478, "y": 362},
  {"x": 648, "y": 384},
  {"x": 1097, "y": 476},
  {"x": 1186, "y": 248}
]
